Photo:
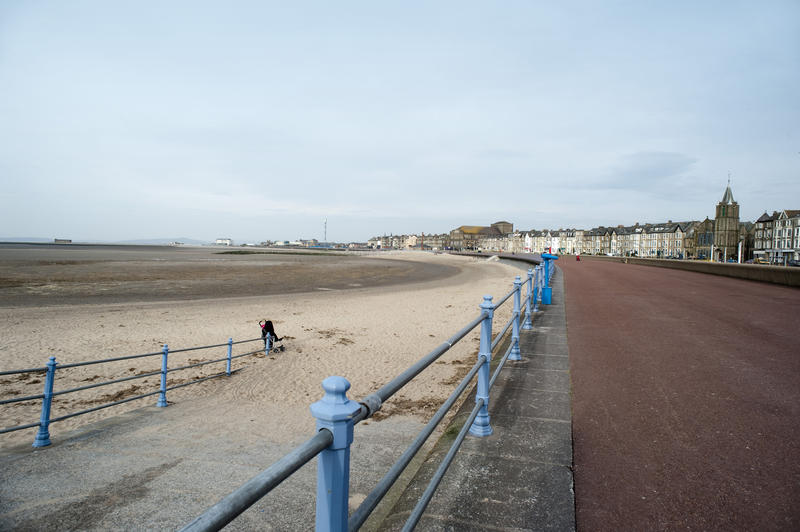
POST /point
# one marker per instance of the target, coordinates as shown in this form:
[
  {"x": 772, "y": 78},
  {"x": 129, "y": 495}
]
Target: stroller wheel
[{"x": 282, "y": 348}]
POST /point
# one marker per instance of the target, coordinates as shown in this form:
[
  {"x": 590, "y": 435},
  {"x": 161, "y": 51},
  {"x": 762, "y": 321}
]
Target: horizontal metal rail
[
  {"x": 17, "y": 371},
  {"x": 204, "y": 363},
  {"x": 247, "y": 341},
  {"x": 129, "y": 399},
  {"x": 500, "y": 365},
  {"x": 505, "y": 298},
  {"x": 106, "y": 383},
  {"x": 195, "y": 381},
  {"x": 376, "y": 495},
  {"x": 21, "y": 399},
  {"x": 248, "y": 354},
  {"x": 390, "y": 388},
  {"x": 198, "y": 348},
  {"x": 104, "y": 360},
  {"x": 18, "y": 427},
  {"x": 437, "y": 477},
  {"x": 240, "y": 500}
]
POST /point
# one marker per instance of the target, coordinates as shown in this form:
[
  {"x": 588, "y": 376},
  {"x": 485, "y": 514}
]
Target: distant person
[
  {"x": 578, "y": 257},
  {"x": 268, "y": 329}
]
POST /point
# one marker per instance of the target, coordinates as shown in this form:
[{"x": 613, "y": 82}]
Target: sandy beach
[{"x": 365, "y": 325}]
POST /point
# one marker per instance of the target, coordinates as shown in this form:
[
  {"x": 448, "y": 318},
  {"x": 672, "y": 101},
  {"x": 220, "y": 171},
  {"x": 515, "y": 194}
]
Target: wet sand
[{"x": 47, "y": 275}]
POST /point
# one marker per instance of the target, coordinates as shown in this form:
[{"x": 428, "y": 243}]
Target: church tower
[{"x": 726, "y": 227}]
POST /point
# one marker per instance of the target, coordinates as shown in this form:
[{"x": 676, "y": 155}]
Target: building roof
[
  {"x": 471, "y": 229},
  {"x": 478, "y": 230}
]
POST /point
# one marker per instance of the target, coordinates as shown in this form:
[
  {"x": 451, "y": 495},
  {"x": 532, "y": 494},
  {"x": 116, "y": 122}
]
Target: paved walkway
[
  {"x": 685, "y": 415},
  {"x": 686, "y": 399},
  {"x": 520, "y": 477}
]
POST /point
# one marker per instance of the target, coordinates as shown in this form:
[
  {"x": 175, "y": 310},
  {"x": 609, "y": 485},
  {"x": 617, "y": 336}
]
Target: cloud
[{"x": 649, "y": 171}]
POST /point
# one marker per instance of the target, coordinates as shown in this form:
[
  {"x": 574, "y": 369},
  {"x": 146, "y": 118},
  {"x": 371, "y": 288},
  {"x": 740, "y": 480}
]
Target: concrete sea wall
[{"x": 785, "y": 275}]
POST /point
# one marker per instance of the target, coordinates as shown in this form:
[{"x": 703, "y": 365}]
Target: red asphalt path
[{"x": 686, "y": 399}]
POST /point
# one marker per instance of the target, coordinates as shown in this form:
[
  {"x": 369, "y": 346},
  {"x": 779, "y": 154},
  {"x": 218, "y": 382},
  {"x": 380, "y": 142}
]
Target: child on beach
[{"x": 268, "y": 329}]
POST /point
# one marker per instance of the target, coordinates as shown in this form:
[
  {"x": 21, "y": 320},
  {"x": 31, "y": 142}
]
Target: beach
[{"x": 366, "y": 319}]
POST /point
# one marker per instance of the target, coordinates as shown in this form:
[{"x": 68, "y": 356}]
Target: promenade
[
  {"x": 686, "y": 399},
  {"x": 679, "y": 391}
]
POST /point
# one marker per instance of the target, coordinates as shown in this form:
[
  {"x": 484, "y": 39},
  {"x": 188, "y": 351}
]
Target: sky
[{"x": 260, "y": 120}]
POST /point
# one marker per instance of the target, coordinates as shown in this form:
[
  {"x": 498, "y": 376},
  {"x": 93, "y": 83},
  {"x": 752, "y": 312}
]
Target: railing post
[
  {"x": 43, "y": 436},
  {"x": 162, "y": 397},
  {"x": 334, "y": 412},
  {"x": 230, "y": 352},
  {"x": 515, "y": 354},
  {"x": 481, "y": 426},
  {"x": 537, "y": 291},
  {"x": 547, "y": 291},
  {"x": 528, "y": 325},
  {"x": 546, "y": 270}
]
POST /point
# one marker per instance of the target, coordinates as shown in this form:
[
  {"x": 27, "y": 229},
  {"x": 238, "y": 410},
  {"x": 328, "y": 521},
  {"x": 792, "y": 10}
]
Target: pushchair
[{"x": 271, "y": 340}]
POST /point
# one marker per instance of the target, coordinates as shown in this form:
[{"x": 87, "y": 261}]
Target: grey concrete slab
[
  {"x": 533, "y": 493},
  {"x": 546, "y": 342},
  {"x": 543, "y": 361},
  {"x": 547, "y": 379},
  {"x": 523, "y": 401}
]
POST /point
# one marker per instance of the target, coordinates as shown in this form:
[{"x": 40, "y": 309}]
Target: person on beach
[{"x": 268, "y": 329}]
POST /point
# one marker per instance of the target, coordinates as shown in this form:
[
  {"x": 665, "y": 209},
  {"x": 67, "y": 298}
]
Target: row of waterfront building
[{"x": 772, "y": 238}]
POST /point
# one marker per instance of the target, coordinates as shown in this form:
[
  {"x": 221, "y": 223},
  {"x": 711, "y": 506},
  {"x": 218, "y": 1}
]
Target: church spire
[{"x": 727, "y": 199}]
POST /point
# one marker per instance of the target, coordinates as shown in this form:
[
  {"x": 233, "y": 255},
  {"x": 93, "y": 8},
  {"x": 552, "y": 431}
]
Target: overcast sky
[{"x": 259, "y": 120}]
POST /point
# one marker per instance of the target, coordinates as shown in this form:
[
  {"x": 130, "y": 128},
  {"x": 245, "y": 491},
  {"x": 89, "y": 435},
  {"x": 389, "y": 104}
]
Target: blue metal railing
[
  {"x": 42, "y": 438},
  {"x": 337, "y": 415}
]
